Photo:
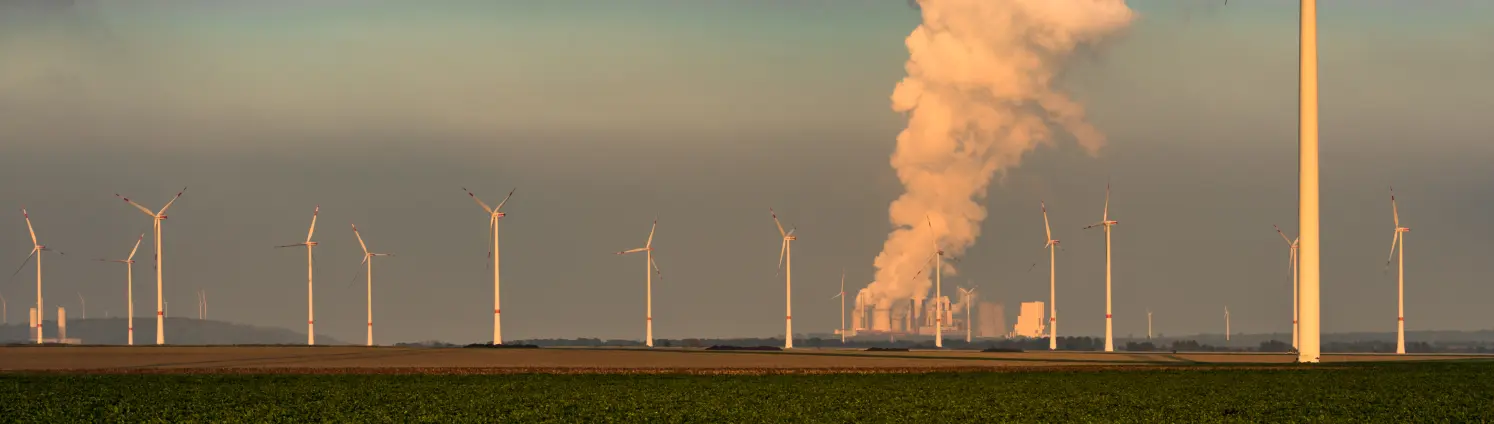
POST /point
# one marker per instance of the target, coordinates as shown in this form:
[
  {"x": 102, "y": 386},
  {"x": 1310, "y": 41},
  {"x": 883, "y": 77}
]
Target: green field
[{"x": 1405, "y": 392}]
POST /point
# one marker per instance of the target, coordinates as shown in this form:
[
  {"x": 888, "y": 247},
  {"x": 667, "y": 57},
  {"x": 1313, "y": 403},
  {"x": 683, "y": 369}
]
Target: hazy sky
[{"x": 606, "y": 114}]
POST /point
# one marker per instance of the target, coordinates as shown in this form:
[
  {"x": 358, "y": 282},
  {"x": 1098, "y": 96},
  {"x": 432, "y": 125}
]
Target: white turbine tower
[
  {"x": 368, "y": 263},
  {"x": 36, "y": 250},
  {"x": 1307, "y": 183},
  {"x": 494, "y": 215},
  {"x": 1398, "y": 244},
  {"x": 1106, "y": 223},
  {"x": 1226, "y": 324},
  {"x": 201, "y": 304},
  {"x": 310, "y": 279},
  {"x": 156, "y": 218},
  {"x": 648, "y": 270},
  {"x": 82, "y": 306},
  {"x": 786, "y": 257},
  {"x": 842, "y": 296},
  {"x": 967, "y": 294},
  {"x": 1296, "y": 308},
  {"x": 1148, "y": 324},
  {"x": 938, "y": 260}
]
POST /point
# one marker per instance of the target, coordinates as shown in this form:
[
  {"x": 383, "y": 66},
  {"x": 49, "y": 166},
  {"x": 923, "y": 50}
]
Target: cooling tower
[
  {"x": 882, "y": 319},
  {"x": 990, "y": 319}
]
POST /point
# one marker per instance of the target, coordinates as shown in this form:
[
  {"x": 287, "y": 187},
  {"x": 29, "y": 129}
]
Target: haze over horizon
[{"x": 605, "y": 115}]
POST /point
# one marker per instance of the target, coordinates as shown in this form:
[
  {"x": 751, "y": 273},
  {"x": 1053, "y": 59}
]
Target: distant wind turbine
[
  {"x": 1052, "y": 246},
  {"x": 368, "y": 263},
  {"x": 36, "y": 250},
  {"x": 156, "y": 218},
  {"x": 5, "y": 312},
  {"x": 1148, "y": 324},
  {"x": 494, "y": 215},
  {"x": 967, "y": 294},
  {"x": 1398, "y": 244},
  {"x": 130, "y": 289},
  {"x": 786, "y": 257},
  {"x": 1292, "y": 246},
  {"x": 1226, "y": 323},
  {"x": 842, "y": 296},
  {"x": 938, "y": 260},
  {"x": 310, "y": 279},
  {"x": 1106, "y": 223},
  {"x": 83, "y": 306},
  {"x": 649, "y": 270}
]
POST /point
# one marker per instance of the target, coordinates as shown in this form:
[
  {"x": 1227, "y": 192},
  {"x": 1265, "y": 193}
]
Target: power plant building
[
  {"x": 1030, "y": 321},
  {"x": 990, "y": 319}
]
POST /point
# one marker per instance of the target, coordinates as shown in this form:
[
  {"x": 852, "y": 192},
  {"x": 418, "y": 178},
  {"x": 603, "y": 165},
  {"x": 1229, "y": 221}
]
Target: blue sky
[{"x": 606, "y": 114}]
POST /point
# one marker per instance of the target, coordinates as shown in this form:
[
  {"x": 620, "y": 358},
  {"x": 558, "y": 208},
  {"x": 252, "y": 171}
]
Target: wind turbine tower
[
  {"x": 1226, "y": 323},
  {"x": 938, "y": 260},
  {"x": 649, "y": 270},
  {"x": 1148, "y": 324},
  {"x": 494, "y": 215},
  {"x": 967, "y": 294},
  {"x": 310, "y": 279},
  {"x": 156, "y": 218},
  {"x": 1398, "y": 244},
  {"x": 1106, "y": 223},
  {"x": 368, "y": 263},
  {"x": 786, "y": 264},
  {"x": 1308, "y": 194}
]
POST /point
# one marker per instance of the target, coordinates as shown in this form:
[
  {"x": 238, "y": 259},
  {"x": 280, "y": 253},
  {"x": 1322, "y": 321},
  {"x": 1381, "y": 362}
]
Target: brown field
[{"x": 337, "y": 359}]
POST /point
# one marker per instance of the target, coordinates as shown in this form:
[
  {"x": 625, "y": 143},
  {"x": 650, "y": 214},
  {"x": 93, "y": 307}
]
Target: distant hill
[{"x": 179, "y": 331}]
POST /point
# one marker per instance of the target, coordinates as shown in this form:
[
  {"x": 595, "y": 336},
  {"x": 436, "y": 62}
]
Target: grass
[{"x": 1383, "y": 392}]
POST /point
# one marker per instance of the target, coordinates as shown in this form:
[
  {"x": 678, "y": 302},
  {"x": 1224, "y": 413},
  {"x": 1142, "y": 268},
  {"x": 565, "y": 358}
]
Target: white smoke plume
[{"x": 978, "y": 95}]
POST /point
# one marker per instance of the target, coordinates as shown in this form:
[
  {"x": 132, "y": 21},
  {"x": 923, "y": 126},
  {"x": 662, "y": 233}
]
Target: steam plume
[{"x": 978, "y": 95}]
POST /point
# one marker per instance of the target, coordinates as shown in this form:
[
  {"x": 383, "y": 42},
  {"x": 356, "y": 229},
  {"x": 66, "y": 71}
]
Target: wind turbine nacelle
[
  {"x": 161, "y": 217},
  {"x": 311, "y": 243},
  {"x": 500, "y": 214}
]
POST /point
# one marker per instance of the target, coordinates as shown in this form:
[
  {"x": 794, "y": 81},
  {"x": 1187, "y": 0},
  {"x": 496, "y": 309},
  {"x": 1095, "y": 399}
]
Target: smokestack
[
  {"x": 61, "y": 324},
  {"x": 978, "y": 95}
]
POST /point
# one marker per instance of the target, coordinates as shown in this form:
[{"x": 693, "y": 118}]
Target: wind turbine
[
  {"x": 1052, "y": 246},
  {"x": 494, "y": 215},
  {"x": 1149, "y": 324},
  {"x": 5, "y": 313},
  {"x": 1105, "y": 223},
  {"x": 967, "y": 294},
  {"x": 36, "y": 249},
  {"x": 842, "y": 296},
  {"x": 368, "y": 263},
  {"x": 1292, "y": 245},
  {"x": 649, "y": 270},
  {"x": 310, "y": 279},
  {"x": 1226, "y": 324},
  {"x": 84, "y": 306},
  {"x": 938, "y": 259},
  {"x": 201, "y": 305},
  {"x": 156, "y": 218},
  {"x": 1398, "y": 244},
  {"x": 786, "y": 256}
]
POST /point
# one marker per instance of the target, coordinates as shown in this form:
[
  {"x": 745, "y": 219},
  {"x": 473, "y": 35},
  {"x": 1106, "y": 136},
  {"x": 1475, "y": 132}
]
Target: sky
[{"x": 605, "y": 115}]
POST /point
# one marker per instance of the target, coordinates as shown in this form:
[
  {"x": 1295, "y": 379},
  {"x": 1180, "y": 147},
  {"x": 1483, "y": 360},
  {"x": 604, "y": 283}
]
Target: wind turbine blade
[
  {"x": 933, "y": 236},
  {"x": 1283, "y": 235},
  {"x": 314, "y": 213},
  {"x": 1393, "y": 210},
  {"x": 1393, "y": 240},
  {"x": 775, "y": 222},
  {"x": 1106, "y": 216},
  {"x": 505, "y": 199},
  {"x": 28, "y": 226},
  {"x": 479, "y": 202},
  {"x": 173, "y": 200},
  {"x": 137, "y": 247},
  {"x": 136, "y": 205},
  {"x": 925, "y": 266},
  {"x": 656, "y": 267},
  {"x": 1097, "y": 224},
  {"x": 492, "y": 223},
  {"x": 835, "y": 296},
  {"x": 23, "y": 263},
  {"x": 360, "y": 239},
  {"x": 1046, "y": 229},
  {"x": 360, "y": 271},
  {"x": 291, "y": 245},
  {"x": 782, "y": 249},
  {"x": 632, "y": 251},
  {"x": 791, "y": 231},
  {"x": 1030, "y": 267},
  {"x": 650, "y": 242}
]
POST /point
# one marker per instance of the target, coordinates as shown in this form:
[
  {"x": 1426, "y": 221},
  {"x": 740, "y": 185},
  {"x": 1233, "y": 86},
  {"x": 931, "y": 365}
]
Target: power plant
[{"x": 914, "y": 317}]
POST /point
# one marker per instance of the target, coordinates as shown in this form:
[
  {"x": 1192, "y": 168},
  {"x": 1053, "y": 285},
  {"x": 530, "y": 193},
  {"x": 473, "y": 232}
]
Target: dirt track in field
[{"x": 390, "y": 360}]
